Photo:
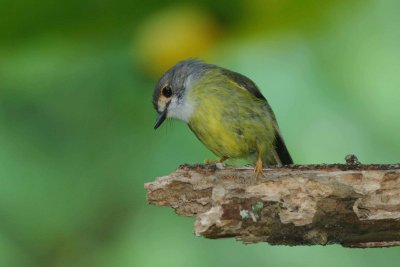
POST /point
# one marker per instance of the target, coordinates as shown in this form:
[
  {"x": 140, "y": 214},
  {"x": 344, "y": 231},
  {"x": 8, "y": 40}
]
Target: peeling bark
[{"x": 353, "y": 205}]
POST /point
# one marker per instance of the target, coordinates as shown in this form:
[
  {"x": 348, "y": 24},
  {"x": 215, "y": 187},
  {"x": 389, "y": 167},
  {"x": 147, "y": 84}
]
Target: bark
[{"x": 351, "y": 204}]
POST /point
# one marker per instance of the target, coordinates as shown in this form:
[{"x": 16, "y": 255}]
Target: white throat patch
[{"x": 181, "y": 109}]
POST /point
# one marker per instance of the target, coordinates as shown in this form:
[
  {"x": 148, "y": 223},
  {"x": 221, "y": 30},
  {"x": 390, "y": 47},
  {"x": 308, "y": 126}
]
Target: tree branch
[{"x": 353, "y": 205}]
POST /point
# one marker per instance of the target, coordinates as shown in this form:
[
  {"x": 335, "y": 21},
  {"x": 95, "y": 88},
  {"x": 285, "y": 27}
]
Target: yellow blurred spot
[{"x": 173, "y": 35}]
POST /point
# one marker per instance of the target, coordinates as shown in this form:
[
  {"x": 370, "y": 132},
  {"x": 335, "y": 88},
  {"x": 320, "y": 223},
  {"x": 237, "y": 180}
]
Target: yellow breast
[{"x": 228, "y": 119}]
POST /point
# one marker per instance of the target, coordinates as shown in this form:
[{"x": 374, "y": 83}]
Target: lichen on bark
[{"x": 351, "y": 204}]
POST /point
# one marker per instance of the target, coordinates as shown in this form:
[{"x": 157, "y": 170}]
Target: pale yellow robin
[{"x": 224, "y": 109}]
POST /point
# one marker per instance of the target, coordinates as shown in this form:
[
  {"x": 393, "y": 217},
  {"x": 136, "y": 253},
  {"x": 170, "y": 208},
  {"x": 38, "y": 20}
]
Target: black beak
[{"x": 161, "y": 118}]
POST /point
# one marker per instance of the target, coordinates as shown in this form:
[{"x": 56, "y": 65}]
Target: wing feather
[{"x": 245, "y": 83}]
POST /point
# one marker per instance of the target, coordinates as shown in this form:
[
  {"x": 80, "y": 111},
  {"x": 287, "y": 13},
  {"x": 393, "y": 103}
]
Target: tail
[{"x": 282, "y": 153}]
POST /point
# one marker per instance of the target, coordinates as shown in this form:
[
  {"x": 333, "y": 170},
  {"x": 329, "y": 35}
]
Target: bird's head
[{"x": 170, "y": 94}]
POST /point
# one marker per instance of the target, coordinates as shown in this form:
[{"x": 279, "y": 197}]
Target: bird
[{"x": 225, "y": 110}]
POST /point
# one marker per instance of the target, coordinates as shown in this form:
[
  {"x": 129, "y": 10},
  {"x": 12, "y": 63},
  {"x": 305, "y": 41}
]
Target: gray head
[{"x": 170, "y": 91}]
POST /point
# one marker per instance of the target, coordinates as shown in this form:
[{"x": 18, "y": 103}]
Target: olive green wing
[
  {"x": 281, "y": 152},
  {"x": 244, "y": 82},
  {"x": 249, "y": 85}
]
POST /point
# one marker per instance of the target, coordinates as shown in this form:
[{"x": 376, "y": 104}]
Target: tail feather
[{"x": 282, "y": 151}]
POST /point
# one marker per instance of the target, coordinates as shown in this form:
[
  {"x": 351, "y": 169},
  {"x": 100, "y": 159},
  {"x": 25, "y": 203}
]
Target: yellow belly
[{"x": 231, "y": 122}]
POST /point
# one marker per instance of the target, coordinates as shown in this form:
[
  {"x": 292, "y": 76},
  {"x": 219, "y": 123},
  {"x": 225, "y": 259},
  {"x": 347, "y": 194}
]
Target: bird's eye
[{"x": 167, "y": 91}]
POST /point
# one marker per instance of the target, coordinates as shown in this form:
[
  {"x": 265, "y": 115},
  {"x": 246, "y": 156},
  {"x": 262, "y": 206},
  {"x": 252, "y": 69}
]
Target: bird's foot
[
  {"x": 211, "y": 161},
  {"x": 215, "y": 161},
  {"x": 258, "y": 169}
]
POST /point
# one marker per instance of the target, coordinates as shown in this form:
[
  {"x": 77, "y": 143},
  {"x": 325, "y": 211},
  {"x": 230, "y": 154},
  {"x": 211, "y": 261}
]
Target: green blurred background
[{"x": 76, "y": 120}]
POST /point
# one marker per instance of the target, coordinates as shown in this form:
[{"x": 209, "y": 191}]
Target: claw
[
  {"x": 258, "y": 169},
  {"x": 215, "y": 161}
]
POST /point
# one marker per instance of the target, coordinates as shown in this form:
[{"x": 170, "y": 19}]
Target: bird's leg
[
  {"x": 211, "y": 161},
  {"x": 258, "y": 168}
]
